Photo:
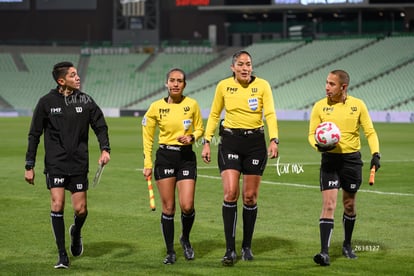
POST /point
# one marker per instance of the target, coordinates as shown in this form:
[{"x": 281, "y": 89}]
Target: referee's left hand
[
  {"x": 104, "y": 158},
  {"x": 273, "y": 150}
]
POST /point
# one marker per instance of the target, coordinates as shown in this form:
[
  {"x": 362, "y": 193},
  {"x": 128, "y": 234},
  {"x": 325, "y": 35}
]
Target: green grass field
[{"x": 122, "y": 235}]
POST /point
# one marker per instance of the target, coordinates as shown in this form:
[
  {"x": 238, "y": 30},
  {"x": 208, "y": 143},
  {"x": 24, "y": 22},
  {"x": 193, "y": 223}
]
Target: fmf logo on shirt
[
  {"x": 56, "y": 110},
  {"x": 231, "y": 89}
]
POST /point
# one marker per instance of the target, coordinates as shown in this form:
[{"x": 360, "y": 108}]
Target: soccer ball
[{"x": 327, "y": 134}]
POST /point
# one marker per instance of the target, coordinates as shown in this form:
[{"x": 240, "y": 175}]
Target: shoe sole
[
  {"x": 71, "y": 241},
  {"x": 169, "y": 262},
  {"x": 61, "y": 266},
  {"x": 227, "y": 262}
]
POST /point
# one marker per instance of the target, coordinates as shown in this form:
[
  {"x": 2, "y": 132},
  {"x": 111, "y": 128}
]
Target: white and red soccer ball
[{"x": 327, "y": 134}]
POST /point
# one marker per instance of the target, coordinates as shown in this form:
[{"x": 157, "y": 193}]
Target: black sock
[
  {"x": 326, "y": 228},
  {"x": 187, "y": 221},
  {"x": 229, "y": 212},
  {"x": 249, "y": 220},
  {"x": 167, "y": 226},
  {"x": 58, "y": 227},
  {"x": 79, "y": 221},
  {"x": 348, "y": 223}
]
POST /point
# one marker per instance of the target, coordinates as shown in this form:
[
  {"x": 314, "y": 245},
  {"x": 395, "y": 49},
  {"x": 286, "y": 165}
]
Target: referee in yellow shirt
[
  {"x": 245, "y": 99},
  {"x": 341, "y": 165},
  {"x": 180, "y": 124}
]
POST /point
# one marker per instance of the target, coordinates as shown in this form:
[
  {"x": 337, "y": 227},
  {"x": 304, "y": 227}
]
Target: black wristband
[
  {"x": 275, "y": 140},
  {"x": 29, "y": 165}
]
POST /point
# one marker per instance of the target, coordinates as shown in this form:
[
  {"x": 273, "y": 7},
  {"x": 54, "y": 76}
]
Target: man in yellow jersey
[
  {"x": 242, "y": 150},
  {"x": 341, "y": 165},
  {"x": 180, "y": 125}
]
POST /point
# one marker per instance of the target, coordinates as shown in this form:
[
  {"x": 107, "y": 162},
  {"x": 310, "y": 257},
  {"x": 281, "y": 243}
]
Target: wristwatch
[
  {"x": 205, "y": 141},
  {"x": 275, "y": 140},
  {"x": 28, "y": 167}
]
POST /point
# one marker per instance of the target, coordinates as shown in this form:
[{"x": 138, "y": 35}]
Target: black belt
[
  {"x": 242, "y": 131},
  {"x": 175, "y": 147}
]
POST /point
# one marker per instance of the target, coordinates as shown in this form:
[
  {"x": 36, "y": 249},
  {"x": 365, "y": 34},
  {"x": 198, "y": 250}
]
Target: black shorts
[
  {"x": 175, "y": 161},
  {"x": 73, "y": 183},
  {"x": 243, "y": 151},
  {"x": 341, "y": 171}
]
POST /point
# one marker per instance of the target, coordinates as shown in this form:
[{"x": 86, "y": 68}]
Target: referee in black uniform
[
  {"x": 245, "y": 99},
  {"x": 64, "y": 116}
]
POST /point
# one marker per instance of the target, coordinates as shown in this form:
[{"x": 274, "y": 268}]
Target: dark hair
[
  {"x": 60, "y": 69},
  {"x": 342, "y": 75},
  {"x": 237, "y": 54},
  {"x": 178, "y": 70}
]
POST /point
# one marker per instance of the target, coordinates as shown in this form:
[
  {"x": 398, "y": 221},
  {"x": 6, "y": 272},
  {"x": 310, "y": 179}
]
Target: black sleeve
[
  {"x": 36, "y": 130},
  {"x": 100, "y": 127}
]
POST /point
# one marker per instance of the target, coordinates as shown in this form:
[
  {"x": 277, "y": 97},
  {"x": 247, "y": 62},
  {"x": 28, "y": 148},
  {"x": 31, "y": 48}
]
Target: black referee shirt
[{"x": 65, "y": 122}]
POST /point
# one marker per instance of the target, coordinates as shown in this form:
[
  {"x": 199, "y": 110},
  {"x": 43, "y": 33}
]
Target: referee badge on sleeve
[{"x": 144, "y": 121}]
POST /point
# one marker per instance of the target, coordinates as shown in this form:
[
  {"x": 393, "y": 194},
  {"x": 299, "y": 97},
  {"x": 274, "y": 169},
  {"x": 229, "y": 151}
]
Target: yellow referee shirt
[
  {"x": 173, "y": 120},
  {"x": 349, "y": 117},
  {"x": 244, "y": 107}
]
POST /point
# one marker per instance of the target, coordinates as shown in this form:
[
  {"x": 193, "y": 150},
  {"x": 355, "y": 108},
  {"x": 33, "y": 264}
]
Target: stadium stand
[
  {"x": 6, "y": 63},
  {"x": 381, "y": 71}
]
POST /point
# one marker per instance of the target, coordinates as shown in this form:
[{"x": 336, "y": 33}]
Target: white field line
[{"x": 312, "y": 186}]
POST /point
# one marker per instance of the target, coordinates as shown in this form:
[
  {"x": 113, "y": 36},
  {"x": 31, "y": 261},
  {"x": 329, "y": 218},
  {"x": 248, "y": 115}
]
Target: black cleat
[
  {"x": 229, "y": 258},
  {"x": 170, "y": 258},
  {"x": 188, "y": 250},
  {"x": 322, "y": 259},
  {"x": 76, "y": 246},
  {"x": 247, "y": 254},
  {"x": 348, "y": 252},
  {"x": 63, "y": 261}
]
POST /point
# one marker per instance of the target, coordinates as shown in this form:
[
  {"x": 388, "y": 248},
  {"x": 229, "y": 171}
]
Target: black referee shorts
[
  {"x": 73, "y": 183},
  {"x": 175, "y": 161},
  {"x": 341, "y": 171},
  {"x": 243, "y": 152}
]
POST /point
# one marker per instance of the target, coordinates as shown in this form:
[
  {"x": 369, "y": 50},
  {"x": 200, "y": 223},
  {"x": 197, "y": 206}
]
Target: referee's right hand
[
  {"x": 29, "y": 176},
  {"x": 205, "y": 154}
]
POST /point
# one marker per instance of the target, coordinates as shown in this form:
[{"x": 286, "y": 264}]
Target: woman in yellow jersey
[
  {"x": 180, "y": 124},
  {"x": 341, "y": 165},
  {"x": 242, "y": 150}
]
